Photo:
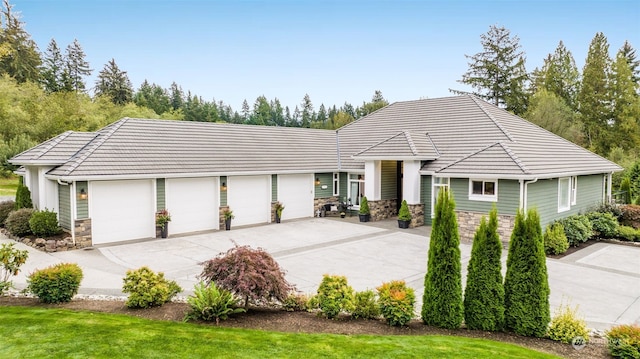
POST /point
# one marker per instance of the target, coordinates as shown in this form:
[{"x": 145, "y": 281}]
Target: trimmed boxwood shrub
[
  {"x": 18, "y": 222},
  {"x": 44, "y": 223},
  {"x": 577, "y": 228},
  {"x": 604, "y": 224},
  {"x": 6, "y": 207},
  {"x": 624, "y": 341},
  {"x": 396, "y": 301},
  {"x": 555, "y": 241},
  {"x": 148, "y": 289},
  {"x": 57, "y": 283}
]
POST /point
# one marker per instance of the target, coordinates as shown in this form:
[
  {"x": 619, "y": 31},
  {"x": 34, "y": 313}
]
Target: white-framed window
[
  {"x": 483, "y": 190},
  {"x": 356, "y": 190},
  {"x": 574, "y": 190},
  {"x": 336, "y": 184},
  {"x": 564, "y": 194},
  {"x": 438, "y": 184}
]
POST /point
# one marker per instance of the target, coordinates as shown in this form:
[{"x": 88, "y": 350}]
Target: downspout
[
  {"x": 526, "y": 190},
  {"x": 72, "y": 204},
  {"x": 609, "y": 185}
]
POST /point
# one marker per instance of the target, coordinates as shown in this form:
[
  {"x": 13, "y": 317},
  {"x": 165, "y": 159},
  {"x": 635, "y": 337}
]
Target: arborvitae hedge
[
  {"x": 23, "y": 197},
  {"x": 526, "y": 286},
  {"x": 442, "y": 300},
  {"x": 484, "y": 294}
]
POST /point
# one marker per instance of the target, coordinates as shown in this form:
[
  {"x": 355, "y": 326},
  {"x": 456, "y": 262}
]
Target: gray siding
[
  {"x": 64, "y": 207},
  {"x": 389, "y": 180},
  {"x": 223, "y": 193},
  {"x": 160, "y": 194},
  {"x": 82, "y": 205},
  {"x": 425, "y": 198},
  {"x": 508, "y": 197},
  {"x": 543, "y": 195},
  {"x": 325, "y": 179},
  {"x": 274, "y": 188}
]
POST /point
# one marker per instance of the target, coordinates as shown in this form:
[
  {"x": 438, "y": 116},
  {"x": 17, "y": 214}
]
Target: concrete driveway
[{"x": 603, "y": 279}]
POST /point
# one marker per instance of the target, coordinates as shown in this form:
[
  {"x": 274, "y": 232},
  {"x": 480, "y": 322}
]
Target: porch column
[
  {"x": 411, "y": 182},
  {"x": 372, "y": 178}
]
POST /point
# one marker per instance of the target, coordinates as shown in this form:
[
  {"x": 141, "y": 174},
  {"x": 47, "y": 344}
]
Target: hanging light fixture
[
  {"x": 224, "y": 186},
  {"x": 317, "y": 181},
  {"x": 83, "y": 194}
]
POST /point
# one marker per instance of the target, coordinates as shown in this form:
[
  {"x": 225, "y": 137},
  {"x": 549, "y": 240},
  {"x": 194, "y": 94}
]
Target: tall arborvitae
[
  {"x": 484, "y": 294},
  {"x": 526, "y": 286},
  {"x": 442, "y": 300}
]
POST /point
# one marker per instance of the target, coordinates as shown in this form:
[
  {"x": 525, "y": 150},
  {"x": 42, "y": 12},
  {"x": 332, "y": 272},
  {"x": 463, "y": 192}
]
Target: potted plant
[
  {"x": 404, "y": 215},
  {"x": 162, "y": 221},
  {"x": 278, "y": 208},
  {"x": 364, "y": 214},
  {"x": 228, "y": 216}
]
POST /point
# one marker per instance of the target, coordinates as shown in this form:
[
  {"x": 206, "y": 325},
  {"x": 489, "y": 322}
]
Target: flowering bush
[
  {"x": 162, "y": 217},
  {"x": 396, "y": 302}
]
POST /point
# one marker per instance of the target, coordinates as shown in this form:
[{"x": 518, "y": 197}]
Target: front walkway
[{"x": 603, "y": 279}]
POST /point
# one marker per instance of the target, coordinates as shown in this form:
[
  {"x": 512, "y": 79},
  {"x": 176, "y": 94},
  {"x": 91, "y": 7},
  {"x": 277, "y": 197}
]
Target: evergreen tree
[
  {"x": 552, "y": 113},
  {"x": 322, "y": 115},
  {"x": 21, "y": 58},
  {"x": 261, "y": 112},
  {"x": 560, "y": 76},
  {"x": 287, "y": 116},
  {"x": 176, "y": 96},
  {"x": 114, "y": 83},
  {"x": 246, "y": 111},
  {"x": 594, "y": 97},
  {"x": 377, "y": 102},
  {"x": 442, "y": 300},
  {"x": 295, "y": 118},
  {"x": 349, "y": 110},
  {"x": 526, "y": 286},
  {"x": 484, "y": 293},
  {"x": 53, "y": 68},
  {"x": 626, "y": 104},
  {"x": 498, "y": 73},
  {"x": 77, "y": 67},
  {"x": 152, "y": 96},
  {"x": 634, "y": 64},
  {"x": 277, "y": 114},
  {"x": 307, "y": 112},
  {"x": 23, "y": 197}
]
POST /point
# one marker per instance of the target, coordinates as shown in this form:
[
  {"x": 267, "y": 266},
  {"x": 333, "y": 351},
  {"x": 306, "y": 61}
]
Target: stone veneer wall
[
  {"x": 83, "y": 239},
  {"x": 383, "y": 209},
  {"x": 468, "y": 223},
  {"x": 221, "y": 216},
  {"x": 318, "y": 203},
  {"x": 82, "y": 229},
  {"x": 417, "y": 215}
]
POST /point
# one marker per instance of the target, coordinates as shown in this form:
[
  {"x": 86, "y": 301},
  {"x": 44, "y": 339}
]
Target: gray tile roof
[
  {"x": 55, "y": 151},
  {"x": 403, "y": 145}
]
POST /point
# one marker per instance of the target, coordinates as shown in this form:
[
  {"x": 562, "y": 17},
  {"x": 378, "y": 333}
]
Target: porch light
[
  {"x": 317, "y": 181},
  {"x": 83, "y": 194},
  {"x": 224, "y": 186}
]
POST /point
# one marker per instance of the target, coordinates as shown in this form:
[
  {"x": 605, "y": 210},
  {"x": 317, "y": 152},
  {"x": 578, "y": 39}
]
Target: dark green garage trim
[
  {"x": 82, "y": 205},
  {"x": 388, "y": 180},
  {"x": 274, "y": 188},
  {"x": 160, "y": 194},
  {"x": 223, "y": 190},
  {"x": 64, "y": 206},
  {"x": 425, "y": 198}
]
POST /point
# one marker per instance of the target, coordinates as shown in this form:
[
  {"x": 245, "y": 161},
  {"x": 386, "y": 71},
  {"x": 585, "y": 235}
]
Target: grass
[
  {"x": 8, "y": 186},
  {"x": 57, "y": 333}
]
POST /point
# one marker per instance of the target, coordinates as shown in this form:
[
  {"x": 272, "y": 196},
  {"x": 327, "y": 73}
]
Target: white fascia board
[
  {"x": 37, "y": 163},
  {"x": 512, "y": 177},
  {"x": 392, "y": 158}
]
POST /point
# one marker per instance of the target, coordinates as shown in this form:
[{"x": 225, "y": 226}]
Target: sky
[{"x": 335, "y": 51}]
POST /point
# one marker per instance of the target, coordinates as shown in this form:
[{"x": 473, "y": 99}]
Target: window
[
  {"x": 439, "y": 183},
  {"x": 356, "y": 190},
  {"x": 336, "y": 184},
  {"x": 480, "y": 190},
  {"x": 564, "y": 194},
  {"x": 574, "y": 190}
]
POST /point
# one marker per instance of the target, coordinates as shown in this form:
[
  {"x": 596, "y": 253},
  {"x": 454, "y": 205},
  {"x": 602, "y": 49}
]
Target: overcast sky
[{"x": 335, "y": 51}]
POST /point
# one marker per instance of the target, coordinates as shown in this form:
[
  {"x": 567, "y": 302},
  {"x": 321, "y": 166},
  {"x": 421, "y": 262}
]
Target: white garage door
[
  {"x": 193, "y": 204},
  {"x": 295, "y": 192},
  {"x": 249, "y": 197},
  {"x": 121, "y": 210}
]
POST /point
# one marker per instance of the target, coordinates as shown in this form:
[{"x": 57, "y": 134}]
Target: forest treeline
[{"x": 45, "y": 93}]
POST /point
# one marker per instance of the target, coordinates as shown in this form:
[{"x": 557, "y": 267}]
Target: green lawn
[
  {"x": 8, "y": 186},
  {"x": 57, "y": 333}
]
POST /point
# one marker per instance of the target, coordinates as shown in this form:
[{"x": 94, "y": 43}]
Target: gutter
[{"x": 524, "y": 185}]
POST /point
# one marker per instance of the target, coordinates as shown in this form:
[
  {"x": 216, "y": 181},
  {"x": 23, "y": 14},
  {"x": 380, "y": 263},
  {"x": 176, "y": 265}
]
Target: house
[{"x": 106, "y": 186}]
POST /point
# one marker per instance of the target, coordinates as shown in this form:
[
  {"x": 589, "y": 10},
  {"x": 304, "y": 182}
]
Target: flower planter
[
  {"x": 364, "y": 217},
  {"x": 164, "y": 230},
  {"x": 342, "y": 215},
  {"x": 227, "y": 224},
  {"x": 277, "y": 219},
  {"x": 403, "y": 224}
]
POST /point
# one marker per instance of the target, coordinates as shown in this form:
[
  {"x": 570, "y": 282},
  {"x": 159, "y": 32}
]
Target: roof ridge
[
  {"x": 515, "y": 158},
  {"x": 102, "y": 137},
  {"x": 467, "y": 156},
  {"x": 493, "y": 119},
  {"x": 433, "y": 144},
  {"x": 379, "y": 143},
  {"x": 52, "y": 143},
  {"x": 412, "y": 145}
]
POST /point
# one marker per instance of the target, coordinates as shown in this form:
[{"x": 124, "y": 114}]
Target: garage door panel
[
  {"x": 193, "y": 204},
  {"x": 249, "y": 197},
  {"x": 121, "y": 210},
  {"x": 295, "y": 192}
]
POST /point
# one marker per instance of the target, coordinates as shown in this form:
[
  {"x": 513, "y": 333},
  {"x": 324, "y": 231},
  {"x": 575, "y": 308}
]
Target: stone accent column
[
  {"x": 221, "y": 223},
  {"x": 383, "y": 209},
  {"x": 417, "y": 215},
  {"x": 468, "y": 223},
  {"x": 82, "y": 229}
]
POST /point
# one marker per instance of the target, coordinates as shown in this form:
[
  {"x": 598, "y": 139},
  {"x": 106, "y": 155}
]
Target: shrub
[
  {"x": 365, "y": 305},
  {"x": 442, "y": 300},
  {"x": 18, "y": 222},
  {"x": 577, "y": 228},
  {"x": 334, "y": 296},
  {"x": 403, "y": 213},
  {"x": 5, "y": 208},
  {"x": 209, "y": 302},
  {"x": 624, "y": 341},
  {"x": 251, "y": 274},
  {"x": 625, "y": 188},
  {"x": 609, "y": 207},
  {"x": 555, "y": 241},
  {"x": 566, "y": 325},
  {"x": 11, "y": 259},
  {"x": 604, "y": 224},
  {"x": 23, "y": 197},
  {"x": 484, "y": 294},
  {"x": 296, "y": 302},
  {"x": 44, "y": 223},
  {"x": 526, "y": 284},
  {"x": 630, "y": 216},
  {"x": 628, "y": 234},
  {"x": 396, "y": 302},
  {"x": 55, "y": 284},
  {"x": 147, "y": 288},
  {"x": 364, "y": 206}
]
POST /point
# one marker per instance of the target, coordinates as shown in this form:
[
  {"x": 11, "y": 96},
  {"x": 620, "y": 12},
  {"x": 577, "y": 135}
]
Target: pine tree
[
  {"x": 594, "y": 98},
  {"x": 176, "y": 96},
  {"x": 77, "y": 67},
  {"x": 307, "y": 112},
  {"x": 498, "y": 73},
  {"x": 114, "y": 83},
  {"x": 277, "y": 113},
  {"x": 634, "y": 64},
  {"x": 377, "y": 102},
  {"x": 21, "y": 58},
  {"x": 526, "y": 285},
  {"x": 23, "y": 197},
  {"x": 246, "y": 111},
  {"x": 560, "y": 76},
  {"x": 261, "y": 112},
  {"x": 484, "y": 293},
  {"x": 442, "y": 300},
  {"x": 626, "y": 104},
  {"x": 53, "y": 68}
]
